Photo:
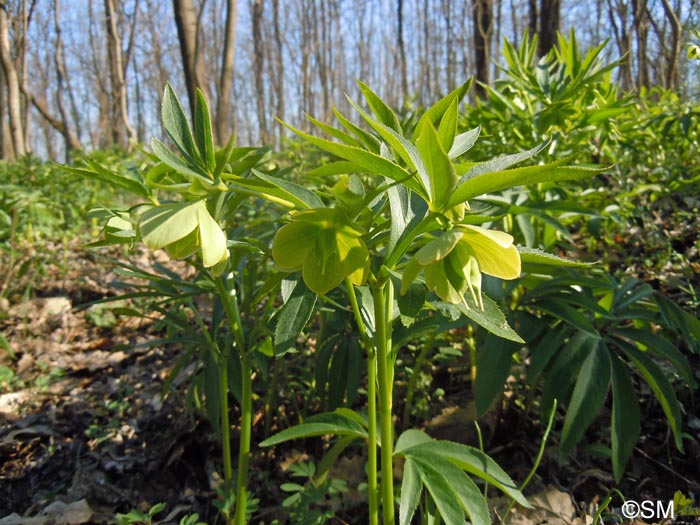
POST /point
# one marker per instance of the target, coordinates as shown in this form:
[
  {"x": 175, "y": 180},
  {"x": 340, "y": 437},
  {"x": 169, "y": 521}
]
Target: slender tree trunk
[
  {"x": 14, "y": 102},
  {"x": 532, "y": 17},
  {"x": 186, "y": 22},
  {"x": 258, "y": 65},
  {"x": 676, "y": 46},
  {"x": 70, "y": 140},
  {"x": 550, "y": 15},
  {"x": 122, "y": 132},
  {"x": 641, "y": 29},
  {"x": 279, "y": 64},
  {"x": 402, "y": 49},
  {"x": 223, "y": 103},
  {"x": 483, "y": 29}
]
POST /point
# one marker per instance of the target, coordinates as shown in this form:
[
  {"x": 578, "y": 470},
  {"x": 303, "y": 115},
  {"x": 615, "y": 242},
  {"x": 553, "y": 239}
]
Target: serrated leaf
[
  {"x": 370, "y": 162},
  {"x": 438, "y": 167},
  {"x": 176, "y": 163},
  {"x": 535, "y": 260},
  {"x": 299, "y": 195},
  {"x": 490, "y": 182},
  {"x": 437, "y": 110},
  {"x": 177, "y": 127},
  {"x": 292, "y": 318},
  {"x": 110, "y": 177},
  {"x": 589, "y": 394},
  {"x": 464, "y": 142},
  {"x": 491, "y": 318},
  {"x": 625, "y": 426},
  {"x": 448, "y": 126},
  {"x": 383, "y": 112},
  {"x": 203, "y": 132},
  {"x": 411, "y": 489},
  {"x": 442, "y": 492}
]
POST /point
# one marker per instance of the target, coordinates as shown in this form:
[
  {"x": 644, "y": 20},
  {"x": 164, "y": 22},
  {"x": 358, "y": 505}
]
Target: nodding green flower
[
  {"x": 183, "y": 228},
  {"x": 454, "y": 262},
  {"x": 325, "y": 245}
]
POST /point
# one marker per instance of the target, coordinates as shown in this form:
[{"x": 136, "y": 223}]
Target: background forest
[
  {"x": 90, "y": 74},
  {"x": 305, "y": 262}
]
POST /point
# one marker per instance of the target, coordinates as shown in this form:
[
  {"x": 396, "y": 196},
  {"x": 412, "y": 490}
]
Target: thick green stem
[
  {"x": 244, "y": 446},
  {"x": 230, "y": 304},
  {"x": 225, "y": 422},
  {"x": 383, "y": 298},
  {"x": 371, "y": 407}
]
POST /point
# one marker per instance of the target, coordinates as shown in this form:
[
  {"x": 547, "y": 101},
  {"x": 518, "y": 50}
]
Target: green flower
[
  {"x": 325, "y": 245},
  {"x": 183, "y": 228},
  {"x": 454, "y": 262}
]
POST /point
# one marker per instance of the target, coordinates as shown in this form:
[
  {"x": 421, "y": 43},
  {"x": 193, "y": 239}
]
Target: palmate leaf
[
  {"x": 491, "y": 318},
  {"x": 411, "y": 488},
  {"x": 626, "y": 424},
  {"x": 492, "y": 368},
  {"x": 588, "y": 397},
  {"x": 660, "y": 386}
]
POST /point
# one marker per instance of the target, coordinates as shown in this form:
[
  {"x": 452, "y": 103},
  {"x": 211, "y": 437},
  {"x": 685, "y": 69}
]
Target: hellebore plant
[
  {"x": 188, "y": 202},
  {"x": 400, "y": 209}
]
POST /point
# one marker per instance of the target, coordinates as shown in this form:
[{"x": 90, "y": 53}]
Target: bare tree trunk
[
  {"x": 483, "y": 29},
  {"x": 641, "y": 29},
  {"x": 532, "y": 17},
  {"x": 623, "y": 40},
  {"x": 402, "y": 48},
  {"x": 70, "y": 140},
  {"x": 279, "y": 64},
  {"x": 550, "y": 15},
  {"x": 673, "y": 57},
  {"x": 14, "y": 102},
  {"x": 256, "y": 9},
  {"x": 223, "y": 127},
  {"x": 122, "y": 131},
  {"x": 186, "y": 22}
]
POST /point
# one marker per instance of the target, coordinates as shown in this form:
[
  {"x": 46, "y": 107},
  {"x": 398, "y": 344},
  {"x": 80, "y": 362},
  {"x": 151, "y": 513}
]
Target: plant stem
[
  {"x": 225, "y": 422},
  {"x": 385, "y": 383},
  {"x": 229, "y": 301},
  {"x": 244, "y": 447},
  {"x": 371, "y": 407}
]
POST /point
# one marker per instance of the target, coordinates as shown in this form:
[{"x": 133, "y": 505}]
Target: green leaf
[
  {"x": 438, "y": 166},
  {"x": 489, "y": 182},
  {"x": 203, "y": 133},
  {"x": 370, "y": 162},
  {"x": 443, "y": 493},
  {"x": 660, "y": 346},
  {"x": 492, "y": 368},
  {"x": 538, "y": 261},
  {"x": 437, "y": 111},
  {"x": 473, "y": 461},
  {"x": 292, "y": 318},
  {"x": 661, "y": 387},
  {"x": 463, "y": 142},
  {"x": 177, "y": 127},
  {"x": 588, "y": 397},
  {"x": 410, "y": 438},
  {"x": 320, "y": 425},
  {"x": 110, "y": 177},
  {"x": 626, "y": 424},
  {"x": 448, "y": 126},
  {"x": 383, "y": 112},
  {"x": 176, "y": 163},
  {"x": 491, "y": 318},
  {"x": 299, "y": 195},
  {"x": 410, "y": 492}
]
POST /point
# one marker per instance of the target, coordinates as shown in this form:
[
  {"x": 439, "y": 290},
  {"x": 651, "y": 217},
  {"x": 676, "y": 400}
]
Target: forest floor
[{"x": 86, "y": 431}]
